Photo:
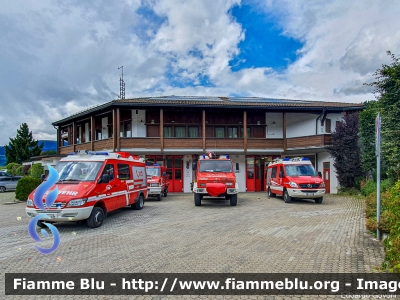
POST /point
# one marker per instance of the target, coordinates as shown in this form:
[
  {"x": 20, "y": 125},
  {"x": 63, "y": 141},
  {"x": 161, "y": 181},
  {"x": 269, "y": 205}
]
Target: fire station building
[{"x": 174, "y": 131}]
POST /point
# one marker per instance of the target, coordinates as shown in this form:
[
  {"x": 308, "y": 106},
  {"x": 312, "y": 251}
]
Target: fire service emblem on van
[
  {"x": 38, "y": 200},
  {"x": 309, "y": 185}
]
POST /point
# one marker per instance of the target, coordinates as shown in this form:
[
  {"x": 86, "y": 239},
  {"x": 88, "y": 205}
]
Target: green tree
[
  {"x": 345, "y": 150},
  {"x": 23, "y": 146},
  {"x": 387, "y": 91}
]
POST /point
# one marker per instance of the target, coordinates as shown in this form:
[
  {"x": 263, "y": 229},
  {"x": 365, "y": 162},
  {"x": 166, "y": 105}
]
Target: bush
[
  {"x": 19, "y": 171},
  {"x": 36, "y": 170},
  {"x": 368, "y": 187},
  {"x": 25, "y": 186},
  {"x": 12, "y": 168}
]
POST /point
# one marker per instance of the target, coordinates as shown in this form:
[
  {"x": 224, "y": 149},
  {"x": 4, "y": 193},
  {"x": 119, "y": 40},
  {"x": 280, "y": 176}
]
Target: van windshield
[
  {"x": 215, "y": 166},
  {"x": 153, "y": 171},
  {"x": 300, "y": 170},
  {"x": 78, "y": 170}
]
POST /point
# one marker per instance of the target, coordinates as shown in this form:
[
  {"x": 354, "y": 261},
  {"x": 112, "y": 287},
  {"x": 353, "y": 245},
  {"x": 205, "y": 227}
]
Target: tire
[
  {"x": 197, "y": 199},
  {"x": 159, "y": 197},
  {"x": 165, "y": 192},
  {"x": 2, "y": 189},
  {"x": 319, "y": 200},
  {"x": 286, "y": 197},
  {"x": 270, "y": 194},
  {"x": 139, "y": 204},
  {"x": 233, "y": 200},
  {"x": 96, "y": 218}
]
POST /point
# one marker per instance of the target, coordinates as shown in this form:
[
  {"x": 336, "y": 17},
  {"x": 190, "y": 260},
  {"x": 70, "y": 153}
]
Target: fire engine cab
[
  {"x": 215, "y": 177},
  {"x": 91, "y": 184},
  {"x": 157, "y": 181},
  {"x": 294, "y": 178}
]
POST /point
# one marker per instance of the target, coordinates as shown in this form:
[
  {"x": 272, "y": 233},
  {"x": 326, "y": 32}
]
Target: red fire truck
[
  {"x": 157, "y": 181},
  {"x": 294, "y": 178},
  {"x": 215, "y": 177},
  {"x": 91, "y": 184}
]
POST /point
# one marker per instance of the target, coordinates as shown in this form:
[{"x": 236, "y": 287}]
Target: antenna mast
[{"x": 121, "y": 84}]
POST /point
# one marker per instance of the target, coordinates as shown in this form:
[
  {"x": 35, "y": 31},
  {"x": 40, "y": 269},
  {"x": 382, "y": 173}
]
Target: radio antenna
[{"x": 121, "y": 83}]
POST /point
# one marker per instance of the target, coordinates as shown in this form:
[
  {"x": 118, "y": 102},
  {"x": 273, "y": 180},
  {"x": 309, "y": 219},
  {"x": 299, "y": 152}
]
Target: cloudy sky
[{"x": 60, "y": 57}]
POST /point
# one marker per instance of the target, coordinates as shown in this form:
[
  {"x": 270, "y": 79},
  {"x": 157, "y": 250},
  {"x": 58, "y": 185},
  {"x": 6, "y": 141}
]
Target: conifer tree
[{"x": 23, "y": 146}]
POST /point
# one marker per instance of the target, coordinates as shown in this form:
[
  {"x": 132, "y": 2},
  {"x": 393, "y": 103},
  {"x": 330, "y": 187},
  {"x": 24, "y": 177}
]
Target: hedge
[
  {"x": 25, "y": 186},
  {"x": 36, "y": 170}
]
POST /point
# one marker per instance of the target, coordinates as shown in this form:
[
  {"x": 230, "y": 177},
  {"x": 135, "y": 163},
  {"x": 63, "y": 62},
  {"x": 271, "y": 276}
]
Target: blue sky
[{"x": 61, "y": 57}]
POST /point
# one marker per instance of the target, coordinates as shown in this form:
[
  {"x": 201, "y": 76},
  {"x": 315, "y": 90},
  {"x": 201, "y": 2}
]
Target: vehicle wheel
[
  {"x": 139, "y": 204},
  {"x": 159, "y": 197},
  {"x": 233, "y": 200},
  {"x": 166, "y": 192},
  {"x": 197, "y": 199},
  {"x": 270, "y": 194},
  {"x": 96, "y": 218},
  {"x": 2, "y": 189},
  {"x": 286, "y": 197},
  {"x": 319, "y": 200}
]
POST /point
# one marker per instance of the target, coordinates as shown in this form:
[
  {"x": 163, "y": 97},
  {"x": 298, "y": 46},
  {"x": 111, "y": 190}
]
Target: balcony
[{"x": 304, "y": 142}]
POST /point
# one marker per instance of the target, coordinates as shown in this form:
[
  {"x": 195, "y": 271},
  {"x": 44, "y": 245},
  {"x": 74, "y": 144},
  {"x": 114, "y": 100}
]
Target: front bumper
[
  {"x": 62, "y": 215},
  {"x": 301, "y": 193},
  {"x": 203, "y": 191},
  {"x": 153, "y": 190}
]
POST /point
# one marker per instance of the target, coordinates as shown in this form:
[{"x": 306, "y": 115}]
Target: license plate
[{"x": 309, "y": 194}]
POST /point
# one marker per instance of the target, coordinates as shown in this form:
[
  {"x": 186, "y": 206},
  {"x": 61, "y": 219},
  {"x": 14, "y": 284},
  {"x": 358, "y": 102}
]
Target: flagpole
[{"x": 378, "y": 174}]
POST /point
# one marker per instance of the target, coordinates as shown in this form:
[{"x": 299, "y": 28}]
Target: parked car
[
  {"x": 8, "y": 183},
  {"x": 4, "y": 173}
]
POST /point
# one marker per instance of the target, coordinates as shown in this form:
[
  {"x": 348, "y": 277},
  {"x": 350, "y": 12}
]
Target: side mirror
[
  {"x": 164, "y": 174},
  {"x": 237, "y": 168},
  {"x": 42, "y": 177},
  {"x": 105, "y": 178},
  {"x": 194, "y": 166},
  {"x": 320, "y": 174}
]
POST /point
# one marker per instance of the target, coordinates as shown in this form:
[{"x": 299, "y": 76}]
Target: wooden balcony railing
[{"x": 304, "y": 142}]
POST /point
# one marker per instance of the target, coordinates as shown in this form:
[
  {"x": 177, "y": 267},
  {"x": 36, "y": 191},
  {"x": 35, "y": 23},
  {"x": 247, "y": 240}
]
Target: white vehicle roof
[
  {"x": 291, "y": 161},
  {"x": 98, "y": 156}
]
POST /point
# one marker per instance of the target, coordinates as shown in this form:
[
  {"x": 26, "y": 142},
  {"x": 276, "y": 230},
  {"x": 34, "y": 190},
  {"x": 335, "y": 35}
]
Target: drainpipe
[
  {"x": 323, "y": 114},
  {"x": 58, "y": 139}
]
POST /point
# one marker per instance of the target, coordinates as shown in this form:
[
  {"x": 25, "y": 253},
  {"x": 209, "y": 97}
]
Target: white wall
[
  {"x": 325, "y": 157},
  {"x": 138, "y": 123},
  {"x": 334, "y": 118},
  {"x": 188, "y": 173},
  {"x": 274, "y": 131},
  {"x": 300, "y": 124}
]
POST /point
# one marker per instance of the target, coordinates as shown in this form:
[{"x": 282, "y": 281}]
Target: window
[
  {"x": 219, "y": 132},
  {"x": 232, "y": 132},
  {"x": 123, "y": 172},
  {"x": 109, "y": 170},
  {"x": 125, "y": 129},
  {"x": 273, "y": 173},
  {"x": 248, "y": 132},
  {"x": 328, "y": 126},
  {"x": 281, "y": 172},
  {"x": 180, "y": 132},
  {"x": 168, "y": 131},
  {"x": 193, "y": 132}
]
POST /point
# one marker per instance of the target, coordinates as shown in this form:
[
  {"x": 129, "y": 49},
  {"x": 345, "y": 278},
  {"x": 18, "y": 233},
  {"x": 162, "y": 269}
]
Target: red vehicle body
[
  {"x": 92, "y": 184},
  {"x": 157, "y": 181},
  {"x": 215, "y": 178},
  {"x": 294, "y": 178}
]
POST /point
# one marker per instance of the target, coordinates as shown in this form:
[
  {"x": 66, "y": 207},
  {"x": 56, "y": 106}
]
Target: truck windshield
[
  {"x": 215, "y": 166},
  {"x": 300, "y": 170},
  {"x": 153, "y": 171},
  {"x": 78, "y": 170}
]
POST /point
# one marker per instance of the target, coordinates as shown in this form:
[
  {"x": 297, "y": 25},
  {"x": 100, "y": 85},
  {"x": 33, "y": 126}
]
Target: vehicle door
[
  {"x": 274, "y": 184},
  {"x": 280, "y": 178},
  {"x": 108, "y": 189},
  {"x": 122, "y": 185}
]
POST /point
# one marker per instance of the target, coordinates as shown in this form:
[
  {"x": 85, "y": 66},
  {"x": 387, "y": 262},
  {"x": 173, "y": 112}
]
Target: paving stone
[{"x": 259, "y": 235}]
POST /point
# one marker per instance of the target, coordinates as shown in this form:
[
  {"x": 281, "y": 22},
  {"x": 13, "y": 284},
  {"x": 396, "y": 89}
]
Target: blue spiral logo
[{"x": 38, "y": 200}]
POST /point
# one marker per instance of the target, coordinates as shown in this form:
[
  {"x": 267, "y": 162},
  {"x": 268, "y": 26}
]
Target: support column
[
  {"x": 284, "y": 133},
  {"x": 203, "y": 129},
  {"x": 92, "y": 132},
  {"x": 118, "y": 130},
  {"x": 245, "y": 132},
  {"x": 162, "y": 130}
]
